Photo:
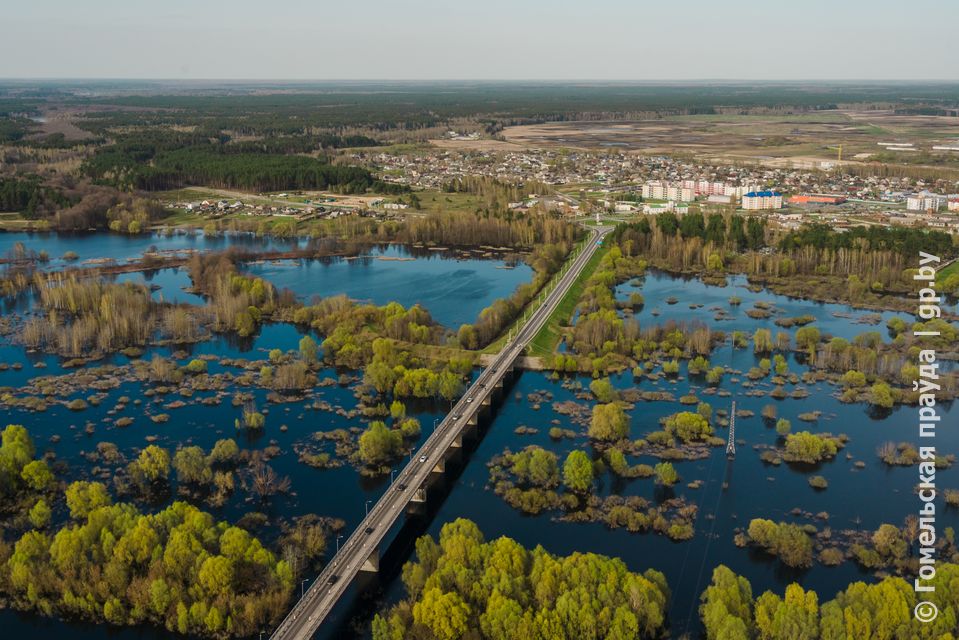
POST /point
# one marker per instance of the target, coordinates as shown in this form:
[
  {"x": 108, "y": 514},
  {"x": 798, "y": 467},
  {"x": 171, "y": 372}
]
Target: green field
[{"x": 948, "y": 271}]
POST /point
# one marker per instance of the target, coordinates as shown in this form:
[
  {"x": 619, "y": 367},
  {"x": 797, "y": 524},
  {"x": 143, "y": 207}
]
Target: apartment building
[{"x": 756, "y": 200}]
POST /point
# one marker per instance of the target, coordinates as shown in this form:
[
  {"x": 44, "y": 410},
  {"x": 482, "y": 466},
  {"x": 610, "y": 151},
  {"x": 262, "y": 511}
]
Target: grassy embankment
[{"x": 545, "y": 343}]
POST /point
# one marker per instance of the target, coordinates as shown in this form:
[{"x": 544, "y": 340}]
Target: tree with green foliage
[
  {"x": 687, "y": 426},
  {"x": 880, "y": 611},
  {"x": 808, "y": 447},
  {"x": 397, "y": 410},
  {"x": 603, "y": 389},
  {"x": 224, "y": 452},
  {"x": 37, "y": 475},
  {"x": 151, "y": 467},
  {"x": 379, "y": 444},
  {"x": 880, "y": 395},
  {"x": 192, "y": 466},
  {"x": 85, "y": 497},
  {"x": 578, "y": 472},
  {"x": 666, "y": 474},
  {"x": 785, "y": 540},
  {"x": 463, "y": 586},
  {"x": 309, "y": 350},
  {"x": 783, "y": 427},
  {"x": 727, "y": 607},
  {"x": 178, "y": 568},
  {"x": 608, "y": 423},
  {"x": 39, "y": 514},
  {"x": 16, "y": 452},
  {"x": 715, "y": 375}
]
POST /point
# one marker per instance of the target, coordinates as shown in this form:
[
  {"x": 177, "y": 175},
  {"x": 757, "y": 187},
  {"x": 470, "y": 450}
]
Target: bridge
[{"x": 361, "y": 551}]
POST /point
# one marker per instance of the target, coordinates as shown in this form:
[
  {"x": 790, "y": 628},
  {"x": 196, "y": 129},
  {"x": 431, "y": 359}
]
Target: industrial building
[{"x": 817, "y": 198}]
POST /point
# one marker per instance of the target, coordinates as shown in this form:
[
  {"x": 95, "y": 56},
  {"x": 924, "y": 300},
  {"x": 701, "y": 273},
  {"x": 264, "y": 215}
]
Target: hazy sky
[{"x": 489, "y": 39}]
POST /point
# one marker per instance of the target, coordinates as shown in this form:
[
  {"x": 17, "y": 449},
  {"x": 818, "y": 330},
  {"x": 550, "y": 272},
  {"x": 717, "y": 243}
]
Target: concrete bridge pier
[{"x": 372, "y": 563}]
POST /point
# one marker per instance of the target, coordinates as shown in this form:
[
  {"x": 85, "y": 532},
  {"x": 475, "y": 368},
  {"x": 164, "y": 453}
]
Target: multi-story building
[
  {"x": 755, "y": 200},
  {"x": 925, "y": 202},
  {"x": 658, "y": 190}
]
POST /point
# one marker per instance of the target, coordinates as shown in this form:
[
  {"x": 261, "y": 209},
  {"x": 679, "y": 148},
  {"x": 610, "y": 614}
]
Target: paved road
[{"x": 307, "y": 615}]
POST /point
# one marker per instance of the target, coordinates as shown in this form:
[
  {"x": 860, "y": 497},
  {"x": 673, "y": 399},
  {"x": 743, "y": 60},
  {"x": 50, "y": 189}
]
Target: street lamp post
[
  {"x": 392, "y": 473},
  {"x": 305, "y": 580},
  {"x": 338, "y": 536},
  {"x": 368, "y": 507}
]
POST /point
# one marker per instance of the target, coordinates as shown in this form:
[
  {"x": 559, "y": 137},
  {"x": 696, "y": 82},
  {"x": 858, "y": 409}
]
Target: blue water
[
  {"x": 837, "y": 320},
  {"x": 861, "y": 498},
  {"x": 454, "y": 290},
  {"x": 121, "y": 247},
  {"x": 167, "y": 285}
]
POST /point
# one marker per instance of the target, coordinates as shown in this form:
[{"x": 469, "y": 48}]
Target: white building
[
  {"x": 926, "y": 202},
  {"x": 720, "y": 199},
  {"x": 755, "y": 200}
]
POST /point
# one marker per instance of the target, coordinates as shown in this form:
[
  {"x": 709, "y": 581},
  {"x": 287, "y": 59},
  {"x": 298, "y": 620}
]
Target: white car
[
  {"x": 469, "y": 400},
  {"x": 422, "y": 458}
]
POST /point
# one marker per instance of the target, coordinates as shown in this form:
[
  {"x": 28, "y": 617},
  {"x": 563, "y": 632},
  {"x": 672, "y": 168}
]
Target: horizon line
[{"x": 484, "y": 79}]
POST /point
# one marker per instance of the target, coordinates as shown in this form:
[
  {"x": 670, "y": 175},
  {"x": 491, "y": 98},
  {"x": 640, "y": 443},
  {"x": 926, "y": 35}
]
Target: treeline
[
  {"x": 496, "y": 193},
  {"x": 166, "y": 160},
  {"x": 300, "y": 144},
  {"x": 880, "y": 611},
  {"x": 13, "y": 129},
  {"x": 486, "y": 228},
  {"x": 903, "y": 240},
  {"x": 347, "y": 235},
  {"x": 465, "y": 587},
  {"x": 874, "y": 260},
  {"x": 252, "y": 172},
  {"x": 691, "y": 242},
  {"x": 30, "y": 197}
]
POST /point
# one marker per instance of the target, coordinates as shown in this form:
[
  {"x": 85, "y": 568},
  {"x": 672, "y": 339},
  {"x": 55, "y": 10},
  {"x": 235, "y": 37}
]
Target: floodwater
[
  {"x": 856, "y": 498},
  {"x": 454, "y": 288}
]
